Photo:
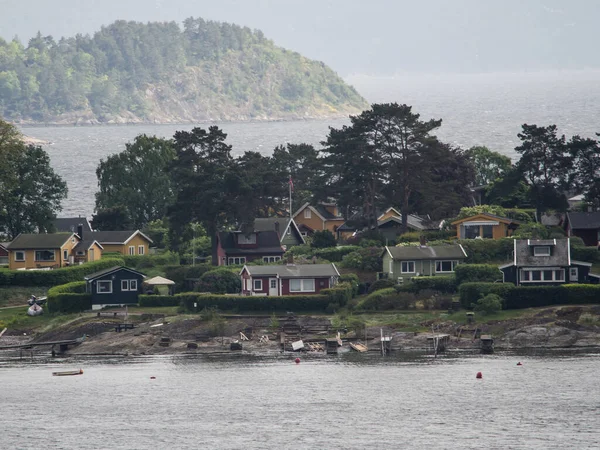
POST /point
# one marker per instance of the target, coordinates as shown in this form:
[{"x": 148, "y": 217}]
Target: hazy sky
[{"x": 361, "y": 36}]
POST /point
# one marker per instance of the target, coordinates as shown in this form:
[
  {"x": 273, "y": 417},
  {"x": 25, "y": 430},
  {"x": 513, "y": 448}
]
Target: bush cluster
[
  {"x": 219, "y": 281},
  {"x": 68, "y": 298},
  {"x": 445, "y": 284},
  {"x": 340, "y": 294},
  {"x": 468, "y": 273},
  {"x": 482, "y": 251},
  {"x": 140, "y": 262},
  {"x": 367, "y": 259},
  {"x": 381, "y": 284},
  {"x": 158, "y": 300},
  {"x": 470, "y": 293}
]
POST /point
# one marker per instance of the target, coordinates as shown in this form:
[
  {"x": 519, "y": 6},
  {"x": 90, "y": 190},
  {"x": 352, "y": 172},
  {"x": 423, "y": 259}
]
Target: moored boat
[
  {"x": 64, "y": 373},
  {"x": 35, "y": 310},
  {"x": 358, "y": 347}
]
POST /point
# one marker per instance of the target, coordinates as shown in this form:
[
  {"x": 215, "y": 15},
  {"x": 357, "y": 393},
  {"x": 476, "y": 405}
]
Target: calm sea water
[
  {"x": 483, "y": 109},
  {"x": 351, "y": 402}
]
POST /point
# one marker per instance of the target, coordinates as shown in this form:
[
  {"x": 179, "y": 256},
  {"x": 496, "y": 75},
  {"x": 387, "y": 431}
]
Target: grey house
[
  {"x": 289, "y": 234},
  {"x": 403, "y": 263},
  {"x": 546, "y": 262},
  {"x": 115, "y": 286}
]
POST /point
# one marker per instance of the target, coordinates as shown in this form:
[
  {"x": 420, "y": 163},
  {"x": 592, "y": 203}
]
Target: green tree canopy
[{"x": 489, "y": 166}]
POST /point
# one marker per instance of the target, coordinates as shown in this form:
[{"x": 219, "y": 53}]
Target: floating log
[{"x": 65, "y": 373}]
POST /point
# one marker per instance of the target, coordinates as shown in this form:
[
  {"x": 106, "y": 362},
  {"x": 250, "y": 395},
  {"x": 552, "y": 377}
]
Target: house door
[
  {"x": 573, "y": 275},
  {"x": 273, "y": 287}
]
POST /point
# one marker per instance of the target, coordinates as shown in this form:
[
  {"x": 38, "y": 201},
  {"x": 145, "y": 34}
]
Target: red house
[
  {"x": 3, "y": 253},
  {"x": 291, "y": 279},
  {"x": 237, "y": 248}
]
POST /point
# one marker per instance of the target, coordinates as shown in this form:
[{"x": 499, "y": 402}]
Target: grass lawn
[{"x": 18, "y": 295}]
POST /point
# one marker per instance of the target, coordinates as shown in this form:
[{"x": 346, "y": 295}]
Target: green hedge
[
  {"x": 566, "y": 294},
  {"x": 254, "y": 303},
  {"x": 57, "y": 276},
  {"x": 469, "y": 273},
  {"x": 340, "y": 294},
  {"x": 68, "y": 298},
  {"x": 158, "y": 300},
  {"x": 470, "y": 293},
  {"x": 384, "y": 283},
  {"x": 335, "y": 254},
  {"x": 482, "y": 251},
  {"x": 387, "y": 299},
  {"x": 587, "y": 254},
  {"x": 354, "y": 281},
  {"x": 445, "y": 284},
  {"x": 147, "y": 261}
]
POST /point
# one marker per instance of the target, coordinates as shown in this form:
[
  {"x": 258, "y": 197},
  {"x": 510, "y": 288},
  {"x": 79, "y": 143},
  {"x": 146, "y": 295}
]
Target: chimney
[
  {"x": 80, "y": 231},
  {"x": 422, "y": 241}
]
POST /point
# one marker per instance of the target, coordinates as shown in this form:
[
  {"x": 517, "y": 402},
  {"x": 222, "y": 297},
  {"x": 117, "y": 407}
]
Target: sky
[{"x": 372, "y": 37}]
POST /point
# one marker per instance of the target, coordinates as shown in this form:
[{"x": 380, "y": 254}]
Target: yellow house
[
  {"x": 324, "y": 216},
  {"x": 486, "y": 226},
  {"x": 124, "y": 242},
  {"x": 36, "y": 251}
]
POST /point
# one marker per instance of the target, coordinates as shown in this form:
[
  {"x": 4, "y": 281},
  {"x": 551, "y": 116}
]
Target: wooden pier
[
  {"x": 486, "y": 344},
  {"x": 438, "y": 342}
]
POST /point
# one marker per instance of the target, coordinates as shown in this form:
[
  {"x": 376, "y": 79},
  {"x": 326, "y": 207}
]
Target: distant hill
[{"x": 157, "y": 72}]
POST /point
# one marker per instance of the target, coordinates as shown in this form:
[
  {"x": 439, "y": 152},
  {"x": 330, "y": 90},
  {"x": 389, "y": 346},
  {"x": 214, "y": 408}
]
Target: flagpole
[{"x": 290, "y": 187}]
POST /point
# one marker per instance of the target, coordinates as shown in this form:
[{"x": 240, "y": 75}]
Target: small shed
[
  {"x": 150, "y": 284},
  {"x": 114, "y": 286}
]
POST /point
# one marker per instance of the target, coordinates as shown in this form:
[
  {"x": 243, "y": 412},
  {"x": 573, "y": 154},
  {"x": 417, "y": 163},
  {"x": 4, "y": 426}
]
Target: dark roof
[
  {"x": 4, "y": 244},
  {"x": 294, "y": 270},
  {"x": 267, "y": 242},
  {"x": 584, "y": 220},
  {"x": 559, "y": 253},
  {"x": 110, "y": 270},
  {"x": 427, "y": 252},
  {"x": 115, "y": 237},
  {"x": 39, "y": 241},
  {"x": 326, "y": 214},
  {"x": 268, "y": 224},
  {"x": 70, "y": 224},
  {"x": 413, "y": 221},
  {"x": 85, "y": 245}
]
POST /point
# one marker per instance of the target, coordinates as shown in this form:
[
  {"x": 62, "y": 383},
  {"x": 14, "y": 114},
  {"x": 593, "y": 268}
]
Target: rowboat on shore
[
  {"x": 358, "y": 347},
  {"x": 65, "y": 373}
]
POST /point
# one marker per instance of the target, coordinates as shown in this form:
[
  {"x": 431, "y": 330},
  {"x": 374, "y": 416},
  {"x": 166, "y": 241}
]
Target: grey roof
[
  {"x": 110, "y": 270},
  {"x": 85, "y": 245},
  {"x": 4, "y": 244},
  {"x": 427, "y": 252},
  {"x": 70, "y": 224},
  {"x": 326, "y": 214},
  {"x": 559, "y": 253},
  {"x": 294, "y": 270},
  {"x": 39, "y": 241},
  {"x": 268, "y": 224},
  {"x": 413, "y": 221},
  {"x": 267, "y": 242},
  {"x": 584, "y": 220},
  {"x": 114, "y": 237}
]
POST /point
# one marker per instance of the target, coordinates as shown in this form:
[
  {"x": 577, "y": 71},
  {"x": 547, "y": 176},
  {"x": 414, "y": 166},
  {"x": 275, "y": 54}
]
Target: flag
[{"x": 291, "y": 183}]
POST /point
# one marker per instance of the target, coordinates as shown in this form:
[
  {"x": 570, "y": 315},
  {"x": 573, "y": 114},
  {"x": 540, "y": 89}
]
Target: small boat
[
  {"x": 65, "y": 373},
  {"x": 358, "y": 347},
  {"x": 35, "y": 310},
  {"x": 37, "y": 300}
]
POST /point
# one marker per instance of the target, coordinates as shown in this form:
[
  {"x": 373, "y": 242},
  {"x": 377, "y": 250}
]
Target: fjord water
[
  {"x": 485, "y": 109},
  {"x": 346, "y": 402}
]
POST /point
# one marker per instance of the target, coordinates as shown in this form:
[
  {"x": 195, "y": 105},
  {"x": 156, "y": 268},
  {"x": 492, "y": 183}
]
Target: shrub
[
  {"x": 147, "y": 261},
  {"x": 386, "y": 299},
  {"x": 532, "y": 230},
  {"x": 441, "y": 283},
  {"x": 219, "y": 281},
  {"x": 57, "y": 276},
  {"x": 334, "y": 254},
  {"x": 588, "y": 254},
  {"x": 482, "y": 251},
  {"x": 367, "y": 259},
  {"x": 470, "y": 293},
  {"x": 489, "y": 304},
  {"x": 381, "y": 284},
  {"x": 351, "y": 278},
  {"x": 468, "y": 273},
  {"x": 68, "y": 298},
  {"x": 296, "y": 250},
  {"x": 253, "y": 302},
  {"x": 323, "y": 239},
  {"x": 340, "y": 294},
  {"x": 181, "y": 273},
  {"x": 158, "y": 300}
]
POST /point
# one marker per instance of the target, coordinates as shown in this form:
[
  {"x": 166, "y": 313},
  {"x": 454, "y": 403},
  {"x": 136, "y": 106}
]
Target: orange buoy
[
  {"x": 297, "y": 360},
  {"x": 81, "y": 371},
  {"x": 479, "y": 375},
  {"x": 519, "y": 363}
]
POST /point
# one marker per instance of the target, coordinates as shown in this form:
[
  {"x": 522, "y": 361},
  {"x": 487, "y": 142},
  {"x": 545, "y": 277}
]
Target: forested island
[{"x": 130, "y": 72}]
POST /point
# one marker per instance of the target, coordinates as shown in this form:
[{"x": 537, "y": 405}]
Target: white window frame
[
  {"x": 307, "y": 213},
  {"x": 453, "y": 264},
  {"x": 133, "y": 285},
  {"x": 257, "y": 285},
  {"x": 132, "y": 250},
  {"x": 35, "y": 252},
  {"x": 124, "y": 285},
  {"x": 80, "y": 253},
  {"x": 302, "y": 284},
  {"x": 110, "y": 284},
  {"x": 541, "y": 270},
  {"x": 408, "y": 263},
  {"x": 538, "y": 248},
  {"x": 65, "y": 255},
  {"x": 247, "y": 240},
  {"x": 231, "y": 260},
  {"x": 273, "y": 283},
  {"x": 141, "y": 250},
  {"x": 303, "y": 233},
  {"x": 271, "y": 259},
  {"x": 17, "y": 252}
]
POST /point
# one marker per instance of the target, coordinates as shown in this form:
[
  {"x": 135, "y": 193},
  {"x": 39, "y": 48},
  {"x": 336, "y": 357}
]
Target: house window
[
  {"x": 548, "y": 275},
  {"x": 65, "y": 254},
  {"x": 302, "y": 285},
  {"x": 124, "y": 285},
  {"x": 471, "y": 232},
  {"x": 44, "y": 255},
  {"x": 487, "y": 231},
  {"x": 408, "y": 267},
  {"x": 304, "y": 233},
  {"x": 273, "y": 284},
  {"x": 80, "y": 253},
  {"x": 247, "y": 239},
  {"x": 133, "y": 285},
  {"x": 140, "y": 249},
  {"x": 132, "y": 250},
  {"x": 445, "y": 266},
  {"x": 19, "y": 256},
  {"x": 104, "y": 287},
  {"x": 271, "y": 259},
  {"x": 541, "y": 250},
  {"x": 258, "y": 285},
  {"x": 307, "y": 213},
  {"x": 235, "y": 261},
  {"x": 573, "y": 272}
]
